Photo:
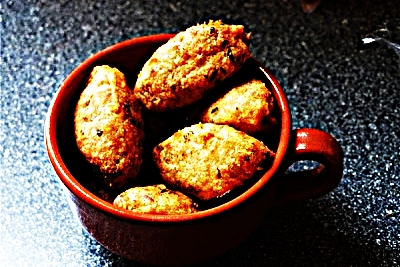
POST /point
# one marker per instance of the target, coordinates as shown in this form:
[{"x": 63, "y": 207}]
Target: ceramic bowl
[{"x": 184, "y": 239}]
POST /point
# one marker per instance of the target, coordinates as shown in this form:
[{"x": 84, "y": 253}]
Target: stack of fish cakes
[{"x": 200, "y": 162}]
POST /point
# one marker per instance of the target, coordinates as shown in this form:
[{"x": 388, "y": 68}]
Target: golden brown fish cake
[
  {"x": 208, "y": 160},
  {"x": 109, "y": 126},
  {"x": 181, "y": 71},
  {"x": 155, "y": 199},
  {"x": 247, "y": 107}
]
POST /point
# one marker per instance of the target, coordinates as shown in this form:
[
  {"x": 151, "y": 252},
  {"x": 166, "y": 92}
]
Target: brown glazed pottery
[{"x": 192, "y": 238}]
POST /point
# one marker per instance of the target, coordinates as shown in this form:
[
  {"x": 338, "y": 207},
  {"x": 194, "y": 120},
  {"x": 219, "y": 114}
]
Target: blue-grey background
[{"x": 332, "y": 82}]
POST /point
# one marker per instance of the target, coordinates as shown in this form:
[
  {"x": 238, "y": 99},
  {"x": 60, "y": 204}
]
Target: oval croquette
[
  {"x": 155, "y": 199},
  {"x": 109, "y": 126},
  {"x": 209, "y": 160},
  {"x": 190, "y": 64},
  {"x": 247, "y": 107}
]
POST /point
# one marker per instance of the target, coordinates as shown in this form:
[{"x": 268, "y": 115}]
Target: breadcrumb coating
[
  {"x": 155, "y": 199},
  {"x": 209, "y": 160},
  {"x": 109, "y": 126},
  {"x": 247, "y": 107},
  {"x": 190, "y": 64}
]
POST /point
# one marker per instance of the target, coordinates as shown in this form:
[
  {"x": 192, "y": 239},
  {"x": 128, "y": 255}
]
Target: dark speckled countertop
[{"x": 332, "y": 83}]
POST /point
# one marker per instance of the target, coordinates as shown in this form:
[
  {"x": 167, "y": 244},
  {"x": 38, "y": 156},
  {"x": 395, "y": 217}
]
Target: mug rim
[{"x": 82, "y": 193}]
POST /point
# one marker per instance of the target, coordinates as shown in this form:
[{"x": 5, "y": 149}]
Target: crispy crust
[
  {"x": 109, "y": 126},
  {"x": 155, "y": 199},
  {"x": 247, "y": 107},
  {"x": 181, "y": 71},
  {"x": 209, "y": 160}
]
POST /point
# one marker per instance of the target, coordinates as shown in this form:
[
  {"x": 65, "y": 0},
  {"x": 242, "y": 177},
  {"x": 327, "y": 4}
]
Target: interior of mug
[{"x": 129, "y": 57}]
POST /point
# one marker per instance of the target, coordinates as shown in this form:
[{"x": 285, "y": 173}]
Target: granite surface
[{"x": 332, "y": 82}]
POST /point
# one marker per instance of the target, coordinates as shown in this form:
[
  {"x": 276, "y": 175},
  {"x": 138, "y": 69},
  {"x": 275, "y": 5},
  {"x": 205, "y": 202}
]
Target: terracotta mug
[{"x": 185, "y": 239}]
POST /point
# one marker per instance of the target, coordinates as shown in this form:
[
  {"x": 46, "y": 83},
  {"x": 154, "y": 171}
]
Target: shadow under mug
[{"x": 192, "y": 238}]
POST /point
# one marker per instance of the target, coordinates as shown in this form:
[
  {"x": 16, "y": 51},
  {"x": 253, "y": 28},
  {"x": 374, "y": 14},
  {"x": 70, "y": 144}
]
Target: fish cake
[
  {"x": 190, "y": 64},
  {"x": 247, "y": 107},
  {"x": 155, "y": 199},
  {"x": 109, "y": 126},
  {"x": 209, "y": 160}
]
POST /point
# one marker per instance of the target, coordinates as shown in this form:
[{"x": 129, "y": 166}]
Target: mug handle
[{"x": 315, "y": 145}]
